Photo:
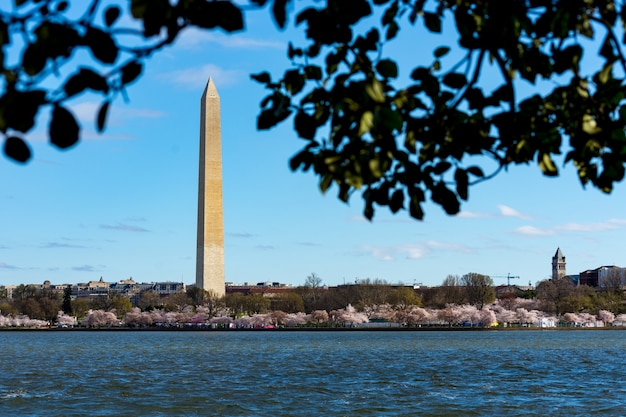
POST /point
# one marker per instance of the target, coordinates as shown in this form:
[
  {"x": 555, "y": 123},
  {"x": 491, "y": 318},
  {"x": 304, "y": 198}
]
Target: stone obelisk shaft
[{"x": 210, "y": 249}]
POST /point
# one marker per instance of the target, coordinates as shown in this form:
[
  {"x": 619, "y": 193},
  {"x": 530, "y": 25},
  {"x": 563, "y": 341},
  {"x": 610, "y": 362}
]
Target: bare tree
[
  {"x": 613, "y": 279},
  {"x": 311, "y": 292},
  {"x": 479, "y": 289},
  {"x": 450, "y": 291}
]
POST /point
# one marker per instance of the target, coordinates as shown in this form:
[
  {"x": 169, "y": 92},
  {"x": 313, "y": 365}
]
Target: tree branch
[{"x": 473, "y": 81}]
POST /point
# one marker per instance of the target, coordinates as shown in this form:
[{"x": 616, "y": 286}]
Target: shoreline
[{"x": 313, "y": 329}]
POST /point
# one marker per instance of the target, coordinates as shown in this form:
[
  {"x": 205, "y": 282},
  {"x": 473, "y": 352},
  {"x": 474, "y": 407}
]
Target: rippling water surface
[{"x": 273, "y": 373}]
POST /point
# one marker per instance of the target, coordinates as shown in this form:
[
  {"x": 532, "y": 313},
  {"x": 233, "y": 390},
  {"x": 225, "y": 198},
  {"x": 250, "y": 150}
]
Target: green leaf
[
  {"x": 387, "y": 68},
  {"x": 374, "y": 89},
  {"x": 397, "y": 201},
  {"x": 34, "y": 59},
  {"x": 462, "y": 183},
  {"x": 442, "y": 167},
  {"x": 138, "y": 8},
  {"x": 547, "y": 165},
  {"x": 590, "y": 125},
  {"x": 441, "y": 51},
  {"x": 392, "y": 31},
  {"x": 130, "y": 72},
  {"x": 415, "y": 206},
  {"x": 432, "y": 22},
  {"x": 475, "y": 171},
  {"x": 294, "y": 52},
  {"x": 279, "y": 11},
  {"x": 18, "y": 110},
  {"x": 445, "y": 198},
  {"x": 606, "y": 73},
  {"x": 326, "y": 182},
  {"x": 305, "y": 125},
  {"x": 4, "y": 33},
  {"x": 16, "y": 149},
  {"x": 313, "y": 72},
  {"x": 64, "y": 130},
  {"x": 212, "y": 14},
  {"x": 111, "y": 14},
  {"x": 262, "y": 78},
  {"x": 294, "y": 81},
  {"x": 567, "y": 59},
  {"x": 102, "y": 116},
  {"x": 606, "y": 51},
  {"x": 454, "y": 80},
  {"x": 375, "y": 167},
  {"x": 85, "y": 78},
  {"x": 278, "y": 111},
  {"x": 102, "y": 45},
  {"x": 153, "y": 13},
  {"x": 366, "y": 123}
]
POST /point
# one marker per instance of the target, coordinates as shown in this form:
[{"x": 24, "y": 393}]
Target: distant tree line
[{"x": 368, "y": 296}]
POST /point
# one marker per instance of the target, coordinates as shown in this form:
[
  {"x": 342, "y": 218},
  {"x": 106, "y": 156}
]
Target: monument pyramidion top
[{"x": 210, "y": 90}]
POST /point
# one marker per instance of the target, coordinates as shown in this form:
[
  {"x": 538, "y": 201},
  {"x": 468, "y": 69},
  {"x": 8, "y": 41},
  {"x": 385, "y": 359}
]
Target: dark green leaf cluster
[
  {"x": 54, "y": 31},
  {"x": 401, "y": 145},
  {"x": 398, "y": 136}
]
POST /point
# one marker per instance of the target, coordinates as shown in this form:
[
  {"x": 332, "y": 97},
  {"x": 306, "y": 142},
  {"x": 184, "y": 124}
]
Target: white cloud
[
  {"x": 358, "y": 218},
  {"x": 504, "y": 211},
  {"x": 380, "y": 252},
  {"x": 472, "y": 215},
  {"x": 455, "y": 247},
  {"x": 7, "y": 266},
  {"x": 123, "y": 227},
  {"x": 507, "y": 211},
  {"x": 414, "y": 251},
  {"x": 87, "y": 112},
  {"x": 612, "y": 224},
  {"x": 533, "y": 231},
  {"x": 195, "y": 39},
  {"x": 196, "y": 78}
]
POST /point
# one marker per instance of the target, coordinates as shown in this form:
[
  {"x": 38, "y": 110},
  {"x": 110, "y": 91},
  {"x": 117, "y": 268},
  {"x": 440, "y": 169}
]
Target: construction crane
[{"x": 508, "y": 277}]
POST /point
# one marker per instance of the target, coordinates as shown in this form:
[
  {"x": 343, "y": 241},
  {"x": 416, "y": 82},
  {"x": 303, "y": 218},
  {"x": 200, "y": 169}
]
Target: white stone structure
[{"x": 210, "y": 248}]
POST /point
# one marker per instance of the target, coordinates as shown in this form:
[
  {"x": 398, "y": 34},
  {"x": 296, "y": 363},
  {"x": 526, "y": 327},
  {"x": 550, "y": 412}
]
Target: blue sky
[{"x": 123, "y": 203}]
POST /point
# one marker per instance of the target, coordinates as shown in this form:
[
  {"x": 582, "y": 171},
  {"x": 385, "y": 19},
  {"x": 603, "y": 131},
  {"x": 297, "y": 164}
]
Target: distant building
[
  {"x": 94, "y": 289},
  {"x": 264, "y": 288},
  {"x": 558, "y": 265},
  {"x": 604, "y": 276}
]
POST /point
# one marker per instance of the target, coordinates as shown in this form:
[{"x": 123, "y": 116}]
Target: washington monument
[{"x": 210, "y": 249}]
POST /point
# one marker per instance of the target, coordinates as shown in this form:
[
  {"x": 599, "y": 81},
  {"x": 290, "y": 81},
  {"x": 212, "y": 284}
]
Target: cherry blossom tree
[
  {"x": 526, "y": 317},
  {"x": 137, "y": 318},
  {"x": 22, "y": 321},
  {"x": 451, "y": 315},
  {"x": 571, "y": 318},
  {"x": 319, "y": 316},
  {"x": 487, "y": 317},
  {"x": 295, "y": 319},
  {"x": 588, "y": 319},
  {"x": 620, "y": 320},
  {"x": 100, "y": 318},
  {"x": 278, "y": 317},
  {"x": 379, "y": 312},
  {"x": 468, "y": 314},
  {"x": 348, "y": 316},
  {"x": 221, "y": 321},
  {"x": 65, "y": 320},
  {"x": 606, "y": 316},
  {"x": 412, "y": 316},
  {"x": 504, "y": 315}
]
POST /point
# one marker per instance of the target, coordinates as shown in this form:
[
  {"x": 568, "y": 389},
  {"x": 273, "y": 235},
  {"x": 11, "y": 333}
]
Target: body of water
[{"x": 300, "y": 373}]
